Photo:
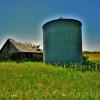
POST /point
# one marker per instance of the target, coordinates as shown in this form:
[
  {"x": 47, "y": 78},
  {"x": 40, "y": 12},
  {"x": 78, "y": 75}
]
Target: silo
[{"x": 62, "y": 41}]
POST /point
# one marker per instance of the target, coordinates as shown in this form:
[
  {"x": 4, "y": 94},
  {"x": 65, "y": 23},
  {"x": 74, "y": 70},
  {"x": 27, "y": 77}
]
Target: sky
[{"x": 22, "y": 20}]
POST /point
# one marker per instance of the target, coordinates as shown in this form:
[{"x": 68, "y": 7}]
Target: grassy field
[
  {"x": 94, "y": 56},
  {"x": 38, "y": 81}
]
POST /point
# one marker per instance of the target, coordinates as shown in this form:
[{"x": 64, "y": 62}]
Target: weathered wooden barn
[{"x": 21, "y": 51}]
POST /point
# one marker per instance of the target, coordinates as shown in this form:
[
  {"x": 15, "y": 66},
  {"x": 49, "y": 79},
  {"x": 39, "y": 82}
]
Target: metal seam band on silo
[{"x": 62, "y": 41}]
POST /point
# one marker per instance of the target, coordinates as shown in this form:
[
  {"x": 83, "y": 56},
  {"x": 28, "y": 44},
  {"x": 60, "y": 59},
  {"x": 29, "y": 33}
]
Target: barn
[{"x": 21, "y": 51}]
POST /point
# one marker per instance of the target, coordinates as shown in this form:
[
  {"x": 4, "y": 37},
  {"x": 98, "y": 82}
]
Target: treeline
[{"x": 90, "y": 52}]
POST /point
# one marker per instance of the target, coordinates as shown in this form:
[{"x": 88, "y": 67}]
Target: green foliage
[
  {"x": 90, "y": 65},
  {"x": 85, "y": 59},
  {"x": 40, "y": 81}
]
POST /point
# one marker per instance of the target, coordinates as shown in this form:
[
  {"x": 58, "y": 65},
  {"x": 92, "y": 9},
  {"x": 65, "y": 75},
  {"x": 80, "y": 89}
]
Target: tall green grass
[{"x": 39, "y": 81}]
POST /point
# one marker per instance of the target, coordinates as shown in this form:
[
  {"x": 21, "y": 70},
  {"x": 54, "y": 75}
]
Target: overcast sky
[{"x": 23, "y": 19}]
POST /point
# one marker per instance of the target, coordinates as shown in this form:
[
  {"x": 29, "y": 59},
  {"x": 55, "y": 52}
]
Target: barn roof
[{"x": 24, "y": 47}]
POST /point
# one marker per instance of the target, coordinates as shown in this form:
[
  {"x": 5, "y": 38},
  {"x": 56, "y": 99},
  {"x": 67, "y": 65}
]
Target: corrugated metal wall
[{"x": 62, "y": 41}]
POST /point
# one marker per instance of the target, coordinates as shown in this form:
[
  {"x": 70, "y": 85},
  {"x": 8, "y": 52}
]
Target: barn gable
[{"x": 9, "y": 48}]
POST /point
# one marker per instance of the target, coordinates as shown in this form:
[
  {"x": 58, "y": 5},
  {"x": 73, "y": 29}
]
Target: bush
[
  {"x": 90, "y": 65},
  {"x": 87, "y": 65}
]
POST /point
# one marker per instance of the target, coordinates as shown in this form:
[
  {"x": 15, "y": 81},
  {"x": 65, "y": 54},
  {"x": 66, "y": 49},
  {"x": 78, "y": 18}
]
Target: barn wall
[
  {"x": 12, "y": 49},
  {"x": 9, "y": 49},
  {"x": 27, "y": 56},
  {"x": 4, "y": 50}
]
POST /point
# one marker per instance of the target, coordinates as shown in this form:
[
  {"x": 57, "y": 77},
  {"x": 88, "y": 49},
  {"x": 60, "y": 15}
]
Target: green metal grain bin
[{"x": 62, "y": 41}]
